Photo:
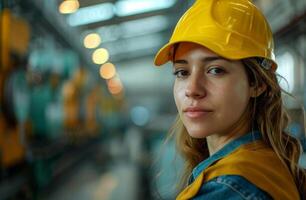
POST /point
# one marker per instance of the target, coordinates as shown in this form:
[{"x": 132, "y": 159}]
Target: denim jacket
[{"x": 230, "y": 187}]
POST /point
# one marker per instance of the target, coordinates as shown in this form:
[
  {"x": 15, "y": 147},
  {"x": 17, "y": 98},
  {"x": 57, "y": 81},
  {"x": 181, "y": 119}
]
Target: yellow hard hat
[{"x": 233, "y": 29}]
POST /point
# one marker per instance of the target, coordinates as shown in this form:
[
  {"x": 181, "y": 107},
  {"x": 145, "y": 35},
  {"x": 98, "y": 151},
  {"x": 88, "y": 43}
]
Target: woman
[{"x": 231, "y": 122}]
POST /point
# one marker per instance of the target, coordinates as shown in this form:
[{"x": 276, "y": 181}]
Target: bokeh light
[
  {"x": 107, "y": 71},
  {"x": 92, "y": 41},
  {"x": 140, "y": 115},
  {"x": 69, "y": 6},
  {"x": 100, "y": 56},
  {"x": 115, "y": 86}
]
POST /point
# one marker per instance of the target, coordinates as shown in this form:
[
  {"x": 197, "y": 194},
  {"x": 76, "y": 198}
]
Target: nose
[{"x": 195, "y": 87}]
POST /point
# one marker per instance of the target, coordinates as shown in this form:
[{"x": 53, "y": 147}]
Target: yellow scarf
[{"x": 258, "y": 164}]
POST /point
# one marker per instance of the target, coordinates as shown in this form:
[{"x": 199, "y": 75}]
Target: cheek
[
  {"x": 178, "y": 93},
  {"x": 237, "y": 97},
  {"x": 242, "y": 91}
]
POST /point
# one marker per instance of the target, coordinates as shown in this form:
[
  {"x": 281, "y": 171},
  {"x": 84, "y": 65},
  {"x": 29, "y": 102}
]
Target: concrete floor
[{"x": 87, "y": 182}]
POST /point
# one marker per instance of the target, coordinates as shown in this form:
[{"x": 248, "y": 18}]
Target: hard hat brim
[{"x": 164, "y": 54}]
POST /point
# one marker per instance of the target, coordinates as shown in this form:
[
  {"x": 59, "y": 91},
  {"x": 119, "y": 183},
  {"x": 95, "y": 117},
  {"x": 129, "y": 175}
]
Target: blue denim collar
[{"x": 227, "y": 149}]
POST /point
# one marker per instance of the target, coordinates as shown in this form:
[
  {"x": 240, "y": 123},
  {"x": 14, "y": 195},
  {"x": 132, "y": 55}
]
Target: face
[{"x": 211, "y": 93}]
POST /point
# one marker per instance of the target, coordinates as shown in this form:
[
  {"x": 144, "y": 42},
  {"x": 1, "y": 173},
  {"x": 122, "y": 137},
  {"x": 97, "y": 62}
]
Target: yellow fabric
[{"x": 258, "y": 164}]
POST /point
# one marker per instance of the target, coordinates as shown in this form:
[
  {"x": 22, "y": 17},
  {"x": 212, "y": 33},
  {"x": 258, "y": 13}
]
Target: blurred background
[{"x": 83, "y": 110}]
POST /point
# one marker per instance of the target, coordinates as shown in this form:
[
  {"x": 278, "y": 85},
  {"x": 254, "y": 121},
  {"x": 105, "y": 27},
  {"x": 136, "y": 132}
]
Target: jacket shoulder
[
  {"x": 256, "y": 162},
  {"x": 231, "y": 186}
]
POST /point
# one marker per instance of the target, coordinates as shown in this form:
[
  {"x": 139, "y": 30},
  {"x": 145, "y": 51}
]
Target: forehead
[
  {"x": 187, "y": 52},
  {"x": 186, "y": 48}
]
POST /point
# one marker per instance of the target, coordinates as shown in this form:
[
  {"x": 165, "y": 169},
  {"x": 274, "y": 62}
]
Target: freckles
[
  {"x": 179, "y": 96},
  {"x": 179, "y": 91},
  {"x": 176, "y": 94}
]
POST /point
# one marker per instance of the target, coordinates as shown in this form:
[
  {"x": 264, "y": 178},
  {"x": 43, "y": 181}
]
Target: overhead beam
[
  {"x": 175, "y": 10},
  {"x": 86, "y": 3}
]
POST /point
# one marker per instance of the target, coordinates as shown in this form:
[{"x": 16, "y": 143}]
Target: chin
[{"x": 197, "y": 134}]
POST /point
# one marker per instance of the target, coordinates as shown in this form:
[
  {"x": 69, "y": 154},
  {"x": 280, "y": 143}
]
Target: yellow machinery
[{"x": 14, "y": 40}]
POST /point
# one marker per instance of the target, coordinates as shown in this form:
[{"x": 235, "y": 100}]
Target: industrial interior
[{"x": 84, "y": 113}]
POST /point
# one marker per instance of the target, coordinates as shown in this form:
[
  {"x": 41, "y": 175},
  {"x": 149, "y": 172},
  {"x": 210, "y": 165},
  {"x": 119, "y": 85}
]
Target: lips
[{"x": 196, "y": 112}]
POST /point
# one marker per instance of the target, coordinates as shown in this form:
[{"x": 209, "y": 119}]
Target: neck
[{"x": 216, "y": 142}]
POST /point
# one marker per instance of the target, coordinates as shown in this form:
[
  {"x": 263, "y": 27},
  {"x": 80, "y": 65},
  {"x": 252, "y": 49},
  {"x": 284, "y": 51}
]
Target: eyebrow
[{"x": 204, "y": 60}]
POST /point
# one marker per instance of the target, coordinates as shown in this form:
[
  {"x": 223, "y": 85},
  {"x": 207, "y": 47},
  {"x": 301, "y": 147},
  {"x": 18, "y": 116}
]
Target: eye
[
  {"x": 216, "y": 71},
  {"x": 180, "y": 73}
]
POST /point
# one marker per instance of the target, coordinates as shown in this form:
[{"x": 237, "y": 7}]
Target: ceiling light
[
  {"x": 91, "y": 14},
  {"x": 135, "y": 44},
  {"x": 69, "y": 6},
  {"x": 133, "y": 28},
  {"x": 115, "y": 86},
  {"x": 109, "y": 33},
  {"x": 92, "y": 40},
  {"x": 144, "y": 26},
  {"x": 107, "y": 71},
  {"x": 132, "y": 7},
  {"x": 100, "y": 56}
]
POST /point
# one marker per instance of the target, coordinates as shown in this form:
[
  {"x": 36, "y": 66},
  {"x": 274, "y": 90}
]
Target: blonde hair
[{"x": 267, "y": 113}]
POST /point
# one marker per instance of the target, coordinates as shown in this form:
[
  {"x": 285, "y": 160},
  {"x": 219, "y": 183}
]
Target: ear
[{"x": 257, "y": 91}]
